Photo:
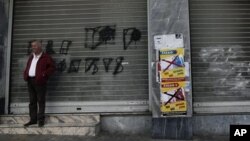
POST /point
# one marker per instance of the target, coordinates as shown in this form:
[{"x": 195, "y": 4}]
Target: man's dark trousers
[{"x": 37, "y": 94}]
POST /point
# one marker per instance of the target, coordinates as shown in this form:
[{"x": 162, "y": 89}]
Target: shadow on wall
[
  {"x": 3, "y": 27},
  {"x": 3, "y": 23},
  {"x": 2, "y": 102}
]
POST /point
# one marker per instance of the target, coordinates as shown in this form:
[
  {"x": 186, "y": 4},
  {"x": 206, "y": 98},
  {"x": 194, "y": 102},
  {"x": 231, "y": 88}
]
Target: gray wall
[
  {"x": 3, "y": 44},
  {"x": 126, "y": 124},
  {"x": 203, "y": 125},
  {"x": 217, "y": 125}
]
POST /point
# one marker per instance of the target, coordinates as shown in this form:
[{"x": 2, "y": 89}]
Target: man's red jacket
[{"x": 45, "y": 67}]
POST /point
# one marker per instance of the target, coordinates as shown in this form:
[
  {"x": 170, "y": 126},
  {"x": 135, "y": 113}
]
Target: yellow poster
[
  {"x": 173, "y": 98},
  {"x": 168, "y": 53},
  {"x": 179, "y": 106},
  {"x": 172, "y": 76},
  {"x": 174, "y": 73},
  {"x": 171, "y": 59},
  {"x": 170, "y": 86}
]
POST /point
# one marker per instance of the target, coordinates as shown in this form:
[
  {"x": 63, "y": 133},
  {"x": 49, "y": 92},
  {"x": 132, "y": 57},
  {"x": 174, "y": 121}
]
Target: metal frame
[
  {"x": 9, "y": 44},
  {"x": 221, "y": 107},
  {"x": 190, "y": 96},
  {"x": 85, "y": 107}
]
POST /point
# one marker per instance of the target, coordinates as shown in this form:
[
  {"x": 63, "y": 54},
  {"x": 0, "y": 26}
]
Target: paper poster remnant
[
  {"x": 159, "y": 41},
  {"x": 187, "y": 69},
  {"x": 168, "y": 41}
]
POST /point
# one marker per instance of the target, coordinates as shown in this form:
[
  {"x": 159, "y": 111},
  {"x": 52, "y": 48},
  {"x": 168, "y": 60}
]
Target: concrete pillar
[{"x": 168, "y": 17}]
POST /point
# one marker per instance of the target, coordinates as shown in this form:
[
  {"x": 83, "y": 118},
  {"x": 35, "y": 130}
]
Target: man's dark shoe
[
  {"x": 29, "y": 123},
  {"x": 40, "y": 123}
]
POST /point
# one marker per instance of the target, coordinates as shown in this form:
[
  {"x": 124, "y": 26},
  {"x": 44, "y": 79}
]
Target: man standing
[{"x": 38, "y": 69}]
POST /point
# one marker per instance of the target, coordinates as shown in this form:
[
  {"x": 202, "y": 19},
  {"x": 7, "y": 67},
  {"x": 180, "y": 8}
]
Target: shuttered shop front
[
  {"x": 220, "y": 40},
  {"x": 100, "y": 50}
]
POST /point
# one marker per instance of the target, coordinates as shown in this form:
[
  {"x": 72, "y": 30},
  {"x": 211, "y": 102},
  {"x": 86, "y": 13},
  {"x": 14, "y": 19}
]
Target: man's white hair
[{"x": 39, "y": 43}]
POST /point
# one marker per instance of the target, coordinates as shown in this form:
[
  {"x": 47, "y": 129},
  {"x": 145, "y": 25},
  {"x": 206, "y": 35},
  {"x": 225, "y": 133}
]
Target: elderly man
[{"x": 38, "y": 69}]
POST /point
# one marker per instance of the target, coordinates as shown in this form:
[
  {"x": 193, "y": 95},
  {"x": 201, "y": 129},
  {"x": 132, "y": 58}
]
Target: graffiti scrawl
[
  {"x": 65, "y": 46},
  {"x": 99, "y": 35},
  {"x": 133, "y": 34},
  {"x": 91, "y": 61}
]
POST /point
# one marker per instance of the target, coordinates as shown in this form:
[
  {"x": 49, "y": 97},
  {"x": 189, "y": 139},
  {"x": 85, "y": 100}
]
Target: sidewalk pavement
[{"x": 101, "y": 137}]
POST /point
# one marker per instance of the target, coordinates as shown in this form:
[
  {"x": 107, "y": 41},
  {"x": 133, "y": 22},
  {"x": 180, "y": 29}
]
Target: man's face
[{"x": 36, "y": 48}]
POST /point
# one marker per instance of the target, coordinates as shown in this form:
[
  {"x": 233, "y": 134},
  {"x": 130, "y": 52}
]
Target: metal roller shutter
[
  {"x": 220, "y": 40},
  {"x": 74, "y": 20}
]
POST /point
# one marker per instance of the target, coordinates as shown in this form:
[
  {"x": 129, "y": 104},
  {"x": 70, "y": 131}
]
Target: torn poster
[{"x": 168, "y": 41}]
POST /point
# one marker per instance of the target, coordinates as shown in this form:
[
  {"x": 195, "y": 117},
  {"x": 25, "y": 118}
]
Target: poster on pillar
[
  {"x": 172, "y": 65},
  {"x": 173, "y": 97},
  {"x": 172, "y": 73}
]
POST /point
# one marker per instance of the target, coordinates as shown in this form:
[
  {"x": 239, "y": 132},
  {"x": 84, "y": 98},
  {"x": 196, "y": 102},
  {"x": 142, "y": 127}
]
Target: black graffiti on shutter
[
  {"x": 61, "y": 66},
  {"x": 106, "y": 63},
  {"x": 103, "y": 33},
  {"x": 133, "y": 34},
  {"x": 65, "y": 46},
  {"x": 49, "y": 47},
  {"x": 89, "y": 62},
  {"x": 74, "y": 65},
  {"x": 106, "y": 34},
  {"x": 119, "y": 67}
]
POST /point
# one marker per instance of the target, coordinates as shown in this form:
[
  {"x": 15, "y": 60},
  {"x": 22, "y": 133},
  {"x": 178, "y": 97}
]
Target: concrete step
[
  {"x": 55, "y": 124},
  {"x": 54, "y": 118}
]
